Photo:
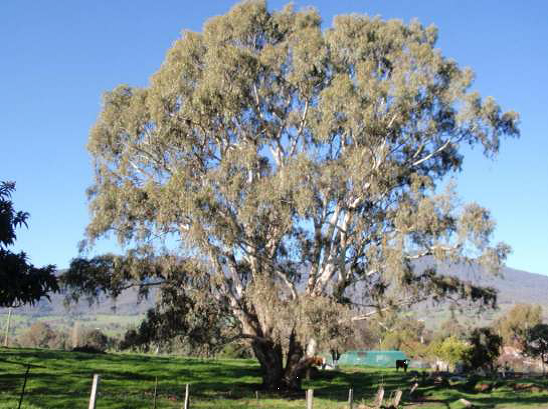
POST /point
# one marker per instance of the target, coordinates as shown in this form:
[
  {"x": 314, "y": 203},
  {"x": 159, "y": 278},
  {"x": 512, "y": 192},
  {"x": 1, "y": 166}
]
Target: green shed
[{"x": 385, "y": 359}]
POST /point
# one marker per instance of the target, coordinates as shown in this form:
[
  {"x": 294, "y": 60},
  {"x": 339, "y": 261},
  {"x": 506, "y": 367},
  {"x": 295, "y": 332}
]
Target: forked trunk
[
  {"x": 296, "y": 364},
  {"x": 276, "y": 377},
  {"x": 270, "y": 358}
]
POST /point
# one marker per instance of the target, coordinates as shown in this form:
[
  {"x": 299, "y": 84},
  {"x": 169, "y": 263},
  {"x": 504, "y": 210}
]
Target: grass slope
[{"x": 63, "y": 380}]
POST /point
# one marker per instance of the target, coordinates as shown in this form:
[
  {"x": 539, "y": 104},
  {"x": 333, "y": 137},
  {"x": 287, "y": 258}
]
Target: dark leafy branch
[{"x": 20, "y": 281}]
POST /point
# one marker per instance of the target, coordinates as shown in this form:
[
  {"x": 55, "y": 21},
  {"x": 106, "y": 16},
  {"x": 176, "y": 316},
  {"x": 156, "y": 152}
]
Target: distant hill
[
  {"x": 126, "y": 304},
  {"x": 113, "y": 317},
  {"x": 514, "y": 286}
]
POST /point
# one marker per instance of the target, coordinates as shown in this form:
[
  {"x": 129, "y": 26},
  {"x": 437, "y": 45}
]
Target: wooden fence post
[
  {"x": 379, "y": 398},
  {"x": 413, "y": 389},
  {"x": 309, "y": 399},
  {"x": 94, "y": 388},
  {"x": 155, "y": 391},
  {"x": 187, "y": 397},
  {"x": 24, "y": 385},
  {"x": 7, "y": 335},
  {"x": 350, "y": 398}
]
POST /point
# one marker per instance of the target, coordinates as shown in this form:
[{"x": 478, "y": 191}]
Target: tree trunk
[
  {"x": 295, "y": 373},
  {"x": 295, "y": 366},
  {"x": 270, "y": 357}
]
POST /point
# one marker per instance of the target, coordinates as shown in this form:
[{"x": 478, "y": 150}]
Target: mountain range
[{"x": 514, "y": 287}]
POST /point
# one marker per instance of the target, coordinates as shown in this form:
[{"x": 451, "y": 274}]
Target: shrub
[
  {"x": 88, "y": 350},
  {"x": 42, "y": 335},
  {"x": 450, "y": 350},
  {"x": 535, "y": 343},
  {"x": 92, "y": 341},
  {"x": 236, "y": 350},
  {"x": 484, "y": 349}
]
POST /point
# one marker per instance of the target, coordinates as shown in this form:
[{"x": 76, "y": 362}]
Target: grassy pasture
[
  {"x": 110, "y": 324},
  {"x": 62, "y": 380}
]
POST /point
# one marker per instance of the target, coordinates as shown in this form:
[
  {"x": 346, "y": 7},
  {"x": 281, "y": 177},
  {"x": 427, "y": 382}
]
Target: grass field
[
  {"x": 63, "y": 380},
  {"x": 109, "y": 324}
]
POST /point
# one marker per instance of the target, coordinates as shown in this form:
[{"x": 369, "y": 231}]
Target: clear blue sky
[{"x": 58, "y": 57}]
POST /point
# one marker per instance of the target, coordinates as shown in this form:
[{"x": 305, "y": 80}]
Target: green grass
[{"x": 63, "y": 380}]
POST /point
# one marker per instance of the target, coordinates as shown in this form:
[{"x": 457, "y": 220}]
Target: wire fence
[
  {"x": 34, "y": 386},
  {"x": 46, "y": 387}
]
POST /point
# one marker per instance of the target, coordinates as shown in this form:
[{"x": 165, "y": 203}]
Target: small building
[{"x": 383, "y": 359}]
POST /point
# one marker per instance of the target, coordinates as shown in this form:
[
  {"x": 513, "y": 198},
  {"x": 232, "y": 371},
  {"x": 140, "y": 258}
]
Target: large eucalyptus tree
[{"x": 298, "y": 168}]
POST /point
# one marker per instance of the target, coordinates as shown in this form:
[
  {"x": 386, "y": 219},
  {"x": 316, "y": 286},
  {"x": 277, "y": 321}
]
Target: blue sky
[{"x": 58, "y": 57}]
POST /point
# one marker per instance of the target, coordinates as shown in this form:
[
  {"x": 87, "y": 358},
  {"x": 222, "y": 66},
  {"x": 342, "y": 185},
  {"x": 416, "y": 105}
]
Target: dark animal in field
[{"x": 402, "y": 363}]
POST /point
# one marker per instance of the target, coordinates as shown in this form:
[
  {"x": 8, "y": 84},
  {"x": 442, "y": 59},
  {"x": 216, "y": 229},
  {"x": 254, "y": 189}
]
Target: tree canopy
[
  {"x": 535, "y": 343},
  {"x": 514, "y": 325},
  {"x": 451, "y": 350},
  {"x": 21, "y": 282},
  {"x": 299, "y": 170},
  {"x": 484, "y": 349}
]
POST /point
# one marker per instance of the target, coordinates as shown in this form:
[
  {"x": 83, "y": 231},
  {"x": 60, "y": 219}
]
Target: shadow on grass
[{"x": 63, "y": 380}]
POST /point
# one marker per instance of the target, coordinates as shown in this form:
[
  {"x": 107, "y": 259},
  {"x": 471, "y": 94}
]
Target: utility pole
[{"x": 6, "y": 336}]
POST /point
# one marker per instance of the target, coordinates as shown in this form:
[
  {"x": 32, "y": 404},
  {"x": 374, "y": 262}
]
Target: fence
[
  {"x": 25, "y": 386},
  {"x": 96, "y": 391}
]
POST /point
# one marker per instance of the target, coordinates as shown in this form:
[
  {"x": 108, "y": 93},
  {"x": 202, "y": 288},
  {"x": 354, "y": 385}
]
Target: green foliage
[
  {"x": 484, "y": 349},
  {"x": 236, "y": 350},
  {"x": 180, "y": 327},
  {"x": 514, "y": 325},
  {"x": 21, "y": 282},
  {"x": 451, "y": 350},
  {"x": 535, "y": 342},
  {"x": 297, "y": 165},
  {"x": 187, "y": 315}
]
